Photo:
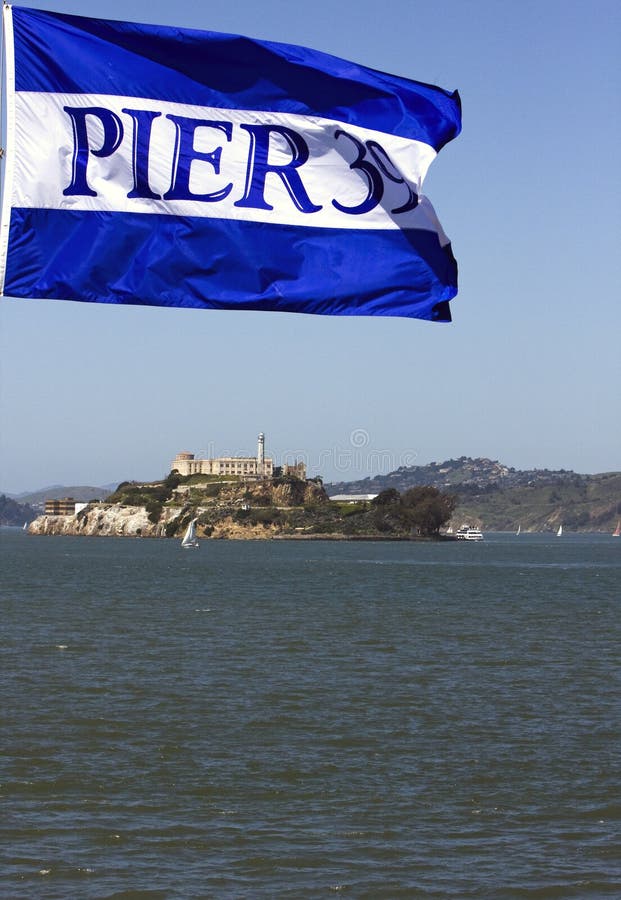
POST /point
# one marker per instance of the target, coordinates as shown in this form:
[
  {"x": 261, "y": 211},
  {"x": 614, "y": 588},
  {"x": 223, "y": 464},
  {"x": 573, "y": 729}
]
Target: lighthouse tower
[{"x": 261, "y": 455}]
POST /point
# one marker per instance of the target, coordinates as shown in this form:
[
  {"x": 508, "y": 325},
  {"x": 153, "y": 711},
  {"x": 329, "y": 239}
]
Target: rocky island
[{"x": 234, "y": 507}]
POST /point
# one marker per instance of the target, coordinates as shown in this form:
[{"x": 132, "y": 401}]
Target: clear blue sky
[{"x": 529, "y": 372}]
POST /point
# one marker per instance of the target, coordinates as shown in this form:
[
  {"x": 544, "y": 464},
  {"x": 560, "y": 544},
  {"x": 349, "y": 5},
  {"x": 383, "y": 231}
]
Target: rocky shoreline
[
  {"x": 127, "y": 521},
  {"x": 132, "y": 522}
]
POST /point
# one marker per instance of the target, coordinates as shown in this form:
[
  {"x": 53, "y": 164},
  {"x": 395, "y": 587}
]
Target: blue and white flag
[{"x": 170, "y": 167}]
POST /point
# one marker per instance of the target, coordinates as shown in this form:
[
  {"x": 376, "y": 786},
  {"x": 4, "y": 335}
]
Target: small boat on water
[
  {"x": 466, "y": 533},
  {"x": 190, "y": 541},
  {"x": 559, "y": 533},
  {"x": 617, "y": 531},
  {"x": 518, "y": 531}
]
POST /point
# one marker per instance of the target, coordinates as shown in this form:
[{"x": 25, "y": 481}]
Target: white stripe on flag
[{"x": 45, "y": 145}]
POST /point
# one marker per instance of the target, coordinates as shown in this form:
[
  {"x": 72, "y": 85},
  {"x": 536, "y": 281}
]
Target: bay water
[{"x": 304, "y": 719}]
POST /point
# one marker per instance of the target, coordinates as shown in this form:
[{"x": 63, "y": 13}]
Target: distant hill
[
  {"x": 500, "y": 498},
  {"x": 14, "y": 513},
  {"x": 81, "y": 493}
]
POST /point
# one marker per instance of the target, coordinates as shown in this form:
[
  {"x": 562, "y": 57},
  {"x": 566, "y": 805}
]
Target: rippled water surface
[{"x": 275, "y": 719}]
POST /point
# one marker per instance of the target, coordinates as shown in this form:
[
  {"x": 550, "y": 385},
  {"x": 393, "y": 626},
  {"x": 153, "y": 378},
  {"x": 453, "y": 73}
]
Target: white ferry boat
[{"x": 466, "y": 533}]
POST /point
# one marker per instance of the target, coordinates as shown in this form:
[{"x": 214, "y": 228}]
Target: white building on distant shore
[
  {"x": 352, "y": 498},
  {"x": 252, "y": 467}
]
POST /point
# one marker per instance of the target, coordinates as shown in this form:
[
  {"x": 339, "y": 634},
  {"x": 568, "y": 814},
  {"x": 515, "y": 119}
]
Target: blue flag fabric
[{"x": 172, "y": 167}]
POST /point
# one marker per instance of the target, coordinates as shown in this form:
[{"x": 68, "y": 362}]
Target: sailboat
[
  {"x": 518, "y": 531},
  {"x": 190, "y": 541},
  {"x": 617, "y": 531},
  {"x": 559, "y": 533}
]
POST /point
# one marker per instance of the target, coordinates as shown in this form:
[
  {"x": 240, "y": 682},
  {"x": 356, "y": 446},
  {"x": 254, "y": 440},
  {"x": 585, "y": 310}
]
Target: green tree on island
[{"x": 421, "y": 510}]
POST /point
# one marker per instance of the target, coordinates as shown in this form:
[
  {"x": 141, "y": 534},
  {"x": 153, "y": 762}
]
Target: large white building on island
[{"x": 251, "y": 467}]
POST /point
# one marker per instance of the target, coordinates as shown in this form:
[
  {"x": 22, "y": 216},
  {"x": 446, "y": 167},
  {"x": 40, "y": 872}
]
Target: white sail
[
  {"x": 519, "y": 529},
  {"x": 189, "y": 539},
  {"x": 559, "y": 533}
]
